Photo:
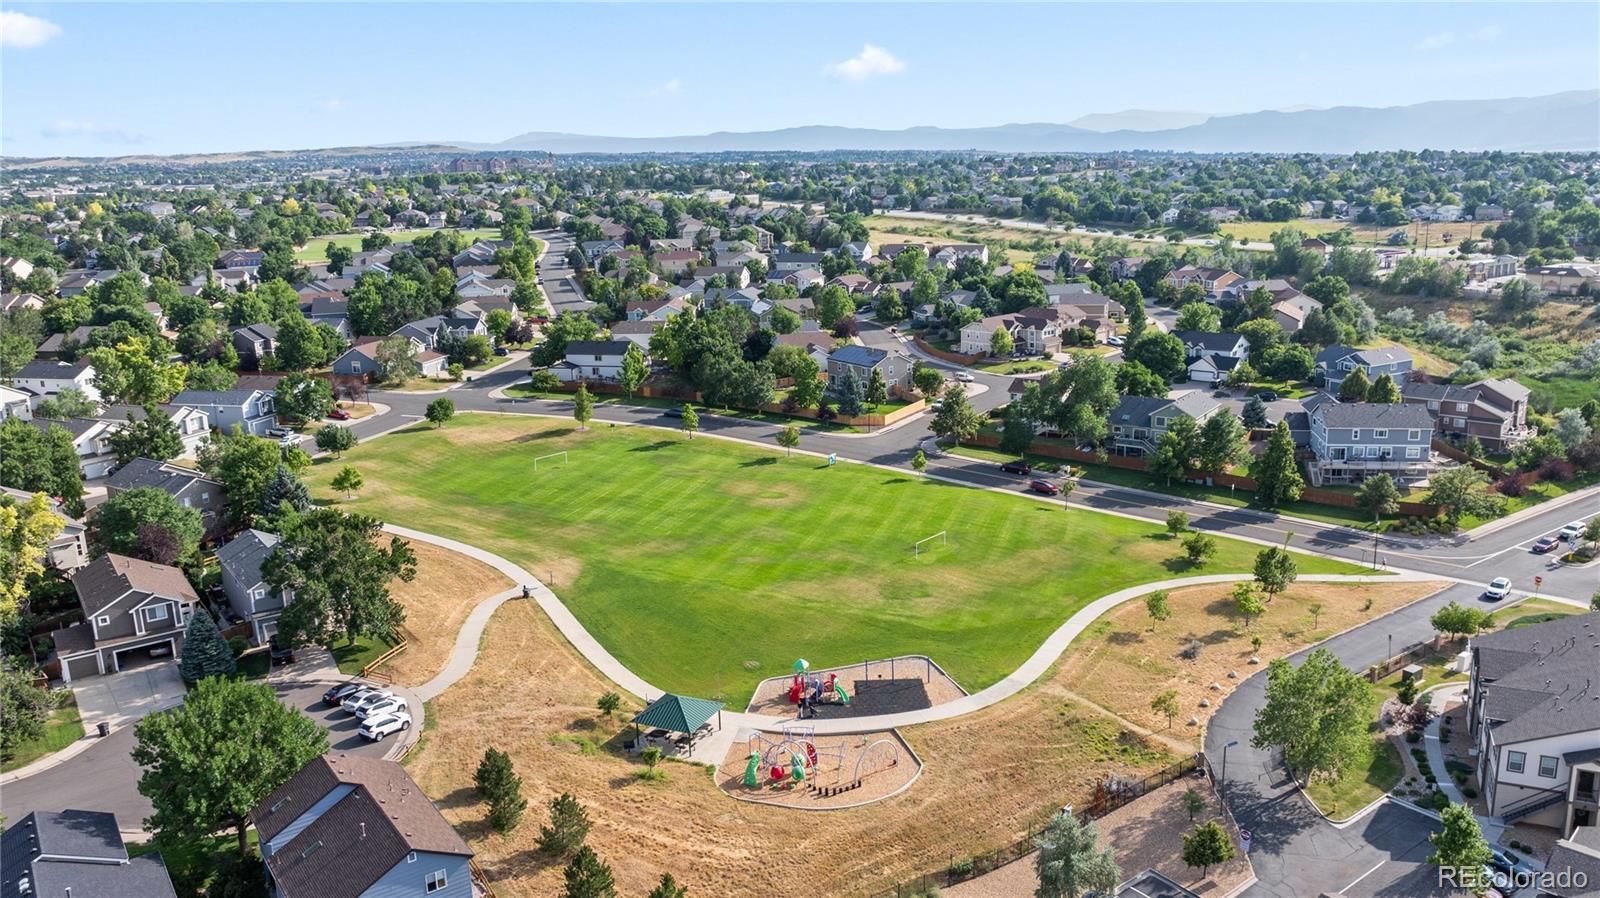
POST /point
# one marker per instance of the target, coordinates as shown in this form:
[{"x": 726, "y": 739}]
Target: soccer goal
[
  {"x": 549, "y": 460},
  {"x": 916, "y": 547}
]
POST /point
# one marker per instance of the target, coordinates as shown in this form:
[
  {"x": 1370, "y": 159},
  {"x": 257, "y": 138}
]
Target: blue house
[
  {"x": 1336, "y": 362},
  {"x": 358, "y": 827}
]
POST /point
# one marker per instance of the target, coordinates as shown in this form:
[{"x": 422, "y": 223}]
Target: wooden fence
[
  {"x": 1411, "y": 654},
  {"x": 688, "y": 394},
  {"x": 958, "y": 358},
  {"x": 480, "y": 877},
  {"x": 1103, "y": 804},
  {"x": 371, "y": 671}
]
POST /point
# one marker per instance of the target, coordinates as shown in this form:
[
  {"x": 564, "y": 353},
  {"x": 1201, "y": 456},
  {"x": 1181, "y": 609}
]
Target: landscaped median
[{"x": 707, "y": 565}]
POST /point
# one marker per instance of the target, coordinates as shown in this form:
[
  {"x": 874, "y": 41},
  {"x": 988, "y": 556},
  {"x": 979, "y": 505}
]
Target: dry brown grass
[
  {"x": 437, "y": 602},
  {"x": 1120, "y": 662}
]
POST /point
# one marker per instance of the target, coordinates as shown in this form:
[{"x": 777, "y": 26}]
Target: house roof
[
  {"x": 858, "y": 355},
  {"x": 1395, "y": 416},
  {"x": 1381, "y": 355},
  {"x": 1208, "y": 341},
  {"x": 1572, "y": 858},
  {"x": 261, "y": 331},
  {"x": 51, "y": 370},
  {"x": 141, "y": 472},
  {"x": 242, "y": 556},
  {"x": 598, "y": 347},
  {"x": 1428, "y": 392},
  {"x": 74, "y": 852},
  {"x": 360, "y": 837},
  {"x": 677, "y": 713},
  {"x": 1540, "y": 680},
  {"x": 110, "y": 577},
  {"x": 213, "y": 397}
]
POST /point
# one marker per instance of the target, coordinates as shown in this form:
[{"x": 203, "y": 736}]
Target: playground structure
[
  {"x": 797, "y": 768},
  {"x": 880, "y": 686}
]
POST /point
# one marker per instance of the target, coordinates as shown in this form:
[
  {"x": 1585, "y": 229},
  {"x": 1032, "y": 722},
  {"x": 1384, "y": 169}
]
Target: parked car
[
  {"x": 375, "y": 728},
  {"x": 965, "y": 377},
  {"x": 1115, "y": 341},
  {"x": 291, "y": 439},
  {"x": 1017, "y": 467},
  {"x": 1545, "y": 544},
  {"x": 339, "y": 693},
  {"x": 501, "y": 350},
  {"x": 394, "y": 704},
  {"x": 366, "y": 696},
  {"x": 1509, "y": 869},
  {"x": 1498, "y": 589},
  {"x": 1267, "y": 395},
  {"x": 1045, "y": 487},
  {"x": 1571, "y": 531},
  {"x": 282, "y": 652},
  {"x": 339, "y": 414},
  {"x": 279, "y": 432},
  {"x": 674, "y": 412}
]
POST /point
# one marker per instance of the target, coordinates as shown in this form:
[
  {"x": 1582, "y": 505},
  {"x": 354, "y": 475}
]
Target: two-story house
[
  {"x": 133, "y": 609},
  {"x": 1494, "y": 412},
  {"x": 427, "y": 332},
  {"x": 47, "y": 378},
  {"x": 91, "y": 440},
  {"x": 863, "y": 360},
  {"x": 62, "y": 854},
  {"x": 250, "y": 410},
  {"x": 592, "y": 360},
  {"x": 1033, "y": 331},
  {"x": 596, "y": 250},
  {"x": 14, "y": 404},
  {"x": 1138, "y": 423},
  {"x": 193, "y": 425},
  {"x": 358, "y": 827},
  {"x": 1216, "y": 282},
  {"x": 191, "y": 488},
  {"x": 1533, "y": 716},
  {"x": 251, "y": 598},
  {"x": 1212, "y": 356},
  {"x": 254, "y": 343},
  {"x": 1335, "y": 363},
  {"x": 1354, "y": 441},
  {"x": 69, "y": 549}
]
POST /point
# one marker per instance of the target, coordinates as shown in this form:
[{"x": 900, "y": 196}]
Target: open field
[
  {"x": 1125, "y": 659},
  {"x": 447, "y": 587},
  {"x": 706, "y": 566},
  {"x": 1024, "y": 758},
  {"x": 1365, "y": 234},
  {"x": 317, "y": 249}
]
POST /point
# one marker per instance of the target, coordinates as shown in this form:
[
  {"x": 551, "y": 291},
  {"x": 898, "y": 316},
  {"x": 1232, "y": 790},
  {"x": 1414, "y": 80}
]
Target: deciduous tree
[
  {"x": 1275, "y": 570},
  {"x": 335, "y": 439},
  {"x": 582, "y": 406},
  {"x": 348, "y": 481},
  {"x": 788, "y": 438},
  {"x": 151, "y": 435},
  {"x": 1459, "y": 848},
  {"x": 340, "y": 575},
  {"x": 1319, "y": 713},
  {"x": 1206, "y": 845},
  {"x": 439, "y": 411},
  {"x": 1070, "y": 861},
  {"x": 1378, "y": 495},
  {"x": 121, "y": 525}
]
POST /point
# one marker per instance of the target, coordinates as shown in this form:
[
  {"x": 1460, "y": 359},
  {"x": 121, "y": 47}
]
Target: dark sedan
[
  {"x": 1017, "y": 467},
  {"x": 1545, "y": 544}
]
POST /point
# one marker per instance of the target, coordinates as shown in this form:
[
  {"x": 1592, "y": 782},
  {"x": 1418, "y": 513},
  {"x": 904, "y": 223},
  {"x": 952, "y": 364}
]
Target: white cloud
[
  {"x": 870, "y": 62},
  {"x": 1487, "y": 32},
  {"x": 92, "y": 131},
  {"x": 1436, "y": 41},
  {"x": 21, "y": 30},
  {"x": 332, "y": 104},
  {"x": 667, "y": 88}
]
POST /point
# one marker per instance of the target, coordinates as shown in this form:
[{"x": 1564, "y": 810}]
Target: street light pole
[{"x": 1225, "y": 770}]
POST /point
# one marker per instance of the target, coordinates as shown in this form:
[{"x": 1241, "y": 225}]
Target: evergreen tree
[
  {"x": 154, "y": 436},
  {"x": 877, "y": 388},
  {"x": 1208, "y": 844},
  {"x": 568, "y": 827},
  {"x": 1383, "y": 390},
  {"x": 205, "y": 652},
  {"x": 668, "y": 888},
  {"x": 1275, "y": 471},
  {"x": 1070, "y": 862},
  {"x": 498, "y": 783},
  {"x": 284, "y": 492},
  {"x": 1354, "y": 387},
  {"x": 587, "y": 877},
  {"x": 850, "y": 393}
]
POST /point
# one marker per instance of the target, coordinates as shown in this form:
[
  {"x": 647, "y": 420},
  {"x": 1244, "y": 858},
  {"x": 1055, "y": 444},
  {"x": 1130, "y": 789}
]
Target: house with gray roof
[
  {"x": 191, "y": 488},
  {"x": 249, "y": 595},
  {"x": 594, "y": 360},
  {"x": 1493, "y": 411},
  {"x": 133, "y": 610},
  {"x": 254, "y": 343},
  {"x": 1575, "y": 861},
  {"x": 251, "y": 410},
  {"x": 46, "y": 377},
  {"x": 1533, "y": 713},
  {"x": 863, "y": 360},
  {"x": 1138, "y": 423},
  {"x": 1352, "y": 441},
  {"x": 69, "y": 549},
  {"x": 1334, "y": 364},
  {"x": 350, "y": 826},
  {"x": 76, "y": 853},
  {"x": 193, "y": 424}
]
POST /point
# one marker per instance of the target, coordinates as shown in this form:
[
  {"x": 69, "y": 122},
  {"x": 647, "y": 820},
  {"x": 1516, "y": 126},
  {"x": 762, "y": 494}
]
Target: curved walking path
[{"x": 465, "y": 651}]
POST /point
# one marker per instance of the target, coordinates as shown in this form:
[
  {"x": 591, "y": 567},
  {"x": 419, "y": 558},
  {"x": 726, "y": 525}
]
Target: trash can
[{"x": 103, "y": 728}]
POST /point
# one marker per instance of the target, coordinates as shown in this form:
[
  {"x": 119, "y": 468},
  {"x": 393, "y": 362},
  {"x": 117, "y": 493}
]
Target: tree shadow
[
  {"x": 545, "y": 435},
  {"x": 894, "y": 480},
  {"x": 1180, "y": 564},
  {"x": 459, "y": 798},
  {"x": 1125, "y": 637},
  {"x": 657, "y": 446},
  {"x": 761, "y": 462}
]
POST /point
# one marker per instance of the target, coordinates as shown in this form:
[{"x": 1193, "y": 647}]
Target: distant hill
[
  {"x": 1564, "y": 121},
  {"x": 1138, "y": 120}
]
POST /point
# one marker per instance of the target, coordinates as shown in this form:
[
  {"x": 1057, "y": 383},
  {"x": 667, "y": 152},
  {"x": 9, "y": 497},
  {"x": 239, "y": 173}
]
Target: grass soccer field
[{"x": 706, "y": 565}]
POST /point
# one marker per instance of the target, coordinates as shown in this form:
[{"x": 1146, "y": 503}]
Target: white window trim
[
  {"x": 1380, "y": 434},
  {"x": 103, "y": 620},
  {"x": 437, "y": 881},
  {"x": 1413, "y": 434}
]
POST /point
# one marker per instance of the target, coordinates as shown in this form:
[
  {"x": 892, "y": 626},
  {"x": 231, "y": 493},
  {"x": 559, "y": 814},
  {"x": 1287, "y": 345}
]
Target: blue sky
[{"x": 111, "y": 79}]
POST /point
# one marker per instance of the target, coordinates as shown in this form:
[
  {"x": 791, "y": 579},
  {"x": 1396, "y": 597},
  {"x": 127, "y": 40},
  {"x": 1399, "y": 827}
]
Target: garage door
[
  {"x": 155, "y": 653},
  {"x": 82, "y": 668}
]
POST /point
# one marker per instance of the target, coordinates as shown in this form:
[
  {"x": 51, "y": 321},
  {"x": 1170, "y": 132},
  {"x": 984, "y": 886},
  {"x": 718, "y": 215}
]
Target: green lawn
[
  {"x": 63, "y": 728},
  {"x": 255, "y": 664},
  {"x": 527, "y": 391},
  {"x": 353, "y": 657},
  {"x": 192, "y": 865},
  {"x": 317, "y": 249},
  {"x": 705, "y": 565},
  {"x": 1361, "y": 785}
]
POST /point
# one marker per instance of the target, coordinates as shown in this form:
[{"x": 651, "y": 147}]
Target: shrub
[
  {"x": 1558, "y": 469},
  {"x": 961, "y": 867},
  {"x": 1191, "y": 650},
  {"x": 1512, "y": 485},
  {"x": 1469, "y": 792},
  {"x": 1413, "y": 737},
  {"x": 238, "y": 645},
  {"x": 545, "y": 381}
]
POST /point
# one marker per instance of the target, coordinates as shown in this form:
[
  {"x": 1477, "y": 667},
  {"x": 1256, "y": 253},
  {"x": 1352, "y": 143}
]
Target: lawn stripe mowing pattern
[{"x": 687, "y": 559}]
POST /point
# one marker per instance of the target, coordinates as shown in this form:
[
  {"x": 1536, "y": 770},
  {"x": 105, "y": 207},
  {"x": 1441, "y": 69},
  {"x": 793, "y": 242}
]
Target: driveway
[{"x": 120, "y": 699}]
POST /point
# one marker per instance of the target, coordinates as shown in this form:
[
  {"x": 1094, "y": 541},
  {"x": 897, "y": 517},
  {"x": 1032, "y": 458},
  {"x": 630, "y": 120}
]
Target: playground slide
[
  {"x": 844, "y": 697},
  {"x": 751, "y": 770}
]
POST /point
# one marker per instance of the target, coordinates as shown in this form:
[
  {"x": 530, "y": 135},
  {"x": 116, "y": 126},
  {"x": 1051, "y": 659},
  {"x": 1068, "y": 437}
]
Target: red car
[
  {"x": 1545, "y": 544},
  {"x": 339, "y": 414},
  {"x": 1045, "y": 487}
]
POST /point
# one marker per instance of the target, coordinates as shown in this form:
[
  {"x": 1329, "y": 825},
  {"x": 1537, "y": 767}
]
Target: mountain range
[{"x": 1561, "y": 121}]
